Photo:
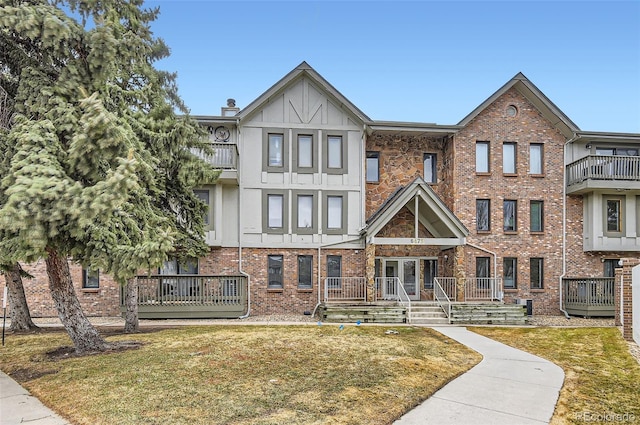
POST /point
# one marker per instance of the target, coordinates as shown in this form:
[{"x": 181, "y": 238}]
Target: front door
[{"x": 407, "y": 271}]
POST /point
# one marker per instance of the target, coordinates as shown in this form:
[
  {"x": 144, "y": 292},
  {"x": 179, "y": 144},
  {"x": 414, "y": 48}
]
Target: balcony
[
  {"x": 225, "y": 158},
  {"x": 603, "y": 172}
]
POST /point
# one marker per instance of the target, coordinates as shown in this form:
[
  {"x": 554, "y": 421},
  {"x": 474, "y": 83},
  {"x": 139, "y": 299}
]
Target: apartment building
[{"x": 318, "y": 203}]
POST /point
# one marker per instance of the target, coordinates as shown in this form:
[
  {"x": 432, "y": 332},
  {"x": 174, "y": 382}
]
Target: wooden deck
[{"x": 589, "y": 297}]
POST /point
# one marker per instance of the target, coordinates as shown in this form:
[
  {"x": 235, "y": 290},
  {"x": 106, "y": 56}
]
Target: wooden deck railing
[
  {"x": 590, "y": 296},
  {"x": 224, "y": 156},
  {"x": 603, "y": 167},
  {"x": 193, "y": 290}
]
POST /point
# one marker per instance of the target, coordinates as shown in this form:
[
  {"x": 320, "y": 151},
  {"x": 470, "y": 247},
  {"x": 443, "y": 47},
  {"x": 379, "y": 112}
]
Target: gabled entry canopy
[{"x": 429, "y": 211}]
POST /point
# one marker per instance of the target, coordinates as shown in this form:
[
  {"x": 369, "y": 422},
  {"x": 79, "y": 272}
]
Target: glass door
[
  {"x": 390, "y": 272},
  {"x": 409, "y": 278}
]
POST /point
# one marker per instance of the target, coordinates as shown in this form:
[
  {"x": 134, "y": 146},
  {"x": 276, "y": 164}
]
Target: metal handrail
[
  {"x": 405, "y": 303},
  {"x": 345, "y": 288},
  {"x": 441, "y": 298}
]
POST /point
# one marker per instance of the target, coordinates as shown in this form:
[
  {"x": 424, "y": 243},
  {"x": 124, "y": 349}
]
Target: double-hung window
[
  {"x": 90, "y": 278},
  {"x": 536, "y": 273},
  {"x": 483, "y": 215},
  {"x": 274, "y": 265},
  {"x": 482, "y": 157},
  {"x": 510, "y": 272},
  {"x": 536, "y": 216},
  {"x": 373, "y": 167},
  {"x": 509, "y": 158},
  {"x": 305, "y": 271},
  {"x": 334, "y": 212},
  {"x": 275, "y": 208},
  {"x": 510, "y": 211},
  {"x": 275, "y": 148},
  {"x": 304, "y": 212},
  {"x": 304, "y": 152},
  {"x": 334, "y": 152},
  {"x": 429, "y": 163},
  {"x": 535, "y": 158}
]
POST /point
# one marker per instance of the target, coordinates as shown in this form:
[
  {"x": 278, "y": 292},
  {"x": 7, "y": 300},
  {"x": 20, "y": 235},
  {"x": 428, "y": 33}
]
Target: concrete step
[{"x": 430, "y": 321}]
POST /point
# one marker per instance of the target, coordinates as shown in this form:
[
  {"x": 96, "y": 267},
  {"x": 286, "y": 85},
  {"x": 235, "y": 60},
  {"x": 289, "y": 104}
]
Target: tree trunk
[
  {"x": 84, "y": 336},
  {"x": 131, "y": 306},
  {"x": 18, "y": 308}
]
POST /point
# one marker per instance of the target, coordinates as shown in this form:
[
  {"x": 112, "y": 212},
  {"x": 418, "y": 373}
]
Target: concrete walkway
[
  {"x": 508, "y": 387},
  {"x": 17, "y": 406}
]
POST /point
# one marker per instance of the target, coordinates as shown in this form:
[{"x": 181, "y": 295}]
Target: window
[
  {"x": 535, "y": 158},
  {"x": 185, "y": 266},
  {"x": 610, "y": 266},
  {"x": 275, "y": 210},
  {"x": 537, "y": 273},
  {"x": 483, "y": 269},
  {"x": 275, "y": 207},
  {"x": 430, "y": 167},
  {"x": 614, "y": 215},
  {"x": 275, "y": 148},
  {"x": 482, "y": 157},
  {"x": 334, "y": 271},
  {"x": 334, "y": 152},
  {"x": 205, "y": 196},
  {"x": 509, "y": 158},
  {"x": 373, "y": 167},
  {"x": 90, "y": 278},
  {"x": 305, "y": 211},
  {"x": 305, "y": 271},
  {"x": 510, "y": 209},
  {"x": 304, "y": 152},
  {"x": 274, "y": 264},
  {"x": 536, "y": 211},
  {"x": 334, "y": 214},
  {"x": 430, "y": 273},
  {"x": 483, "y": 208},
  {"x": 510, "y": 272}
]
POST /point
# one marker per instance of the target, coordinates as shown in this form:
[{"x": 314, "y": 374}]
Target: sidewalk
[
  {"x": 17, "y": 406},
  {"x": 508, "y": 387}
]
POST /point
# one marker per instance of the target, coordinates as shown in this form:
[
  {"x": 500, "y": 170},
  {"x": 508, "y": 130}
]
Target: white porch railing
[
  {"x": 441, "y": 297},
  {"x": 391, "y": 289},
  {"x": 483, "y": 289},
  {"x": 345, "y": 289},
  {"x": 449, "y": 285}
]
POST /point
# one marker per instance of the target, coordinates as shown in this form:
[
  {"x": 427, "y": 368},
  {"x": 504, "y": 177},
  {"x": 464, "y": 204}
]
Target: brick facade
[{"x": 624, "y": 297}]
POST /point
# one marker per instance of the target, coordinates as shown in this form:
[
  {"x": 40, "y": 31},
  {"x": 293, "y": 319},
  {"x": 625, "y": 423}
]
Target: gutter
[{"x": 564, "y": 223}]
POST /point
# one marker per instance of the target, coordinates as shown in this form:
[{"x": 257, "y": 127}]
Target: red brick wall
[
  {"x": 103, "y": 301},
  {"x": 624, "y": 301},
  {"x": 529, "y": 126}
]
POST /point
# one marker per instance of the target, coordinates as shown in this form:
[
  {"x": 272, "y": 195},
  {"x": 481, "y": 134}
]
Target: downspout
[
  {"x": 564, "y": 223},
  {"x": 242, "y": 272},
  {"x": 495, "y": 262}
]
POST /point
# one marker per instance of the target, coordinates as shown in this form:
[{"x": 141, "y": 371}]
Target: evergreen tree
[{"x": 102, "y": 169}]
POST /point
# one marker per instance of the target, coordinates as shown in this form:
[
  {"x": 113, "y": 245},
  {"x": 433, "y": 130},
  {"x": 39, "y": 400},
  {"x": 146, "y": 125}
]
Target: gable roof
[
  {"x": 304, "y": 69},
  {"x": 546, "y": 107},
  {"x": 440, "y": 220}
]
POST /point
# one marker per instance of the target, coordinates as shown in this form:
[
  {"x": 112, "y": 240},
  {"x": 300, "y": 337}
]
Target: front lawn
[
  {"x": 241, "y": 374},
  {"x": 602, "y": 380}
]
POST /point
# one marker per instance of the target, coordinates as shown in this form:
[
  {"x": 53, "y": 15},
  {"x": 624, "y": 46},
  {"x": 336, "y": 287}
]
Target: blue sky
[{"x": 422, "y": 61}]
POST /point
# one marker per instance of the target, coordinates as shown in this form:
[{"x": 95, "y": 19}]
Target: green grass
[
  {"x": 241, "y": 375},
  {"x": 601, "y": 376}
]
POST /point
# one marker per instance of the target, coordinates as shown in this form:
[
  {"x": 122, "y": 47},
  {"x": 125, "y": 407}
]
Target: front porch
[
  {"x": 386, "y": 300},
  {"x": 190, "y": 296}
]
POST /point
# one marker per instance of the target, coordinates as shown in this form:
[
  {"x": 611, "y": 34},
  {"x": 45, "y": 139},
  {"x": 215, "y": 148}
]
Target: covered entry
[{"x": 408, "y": 238}]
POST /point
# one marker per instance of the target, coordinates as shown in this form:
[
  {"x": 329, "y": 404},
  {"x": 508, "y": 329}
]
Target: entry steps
[{"x": 427, "y": 313}]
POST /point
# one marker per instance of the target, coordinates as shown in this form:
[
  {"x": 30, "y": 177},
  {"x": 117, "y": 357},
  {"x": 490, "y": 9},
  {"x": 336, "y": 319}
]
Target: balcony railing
[
  {"x": 224, "y": 156},
  {"x": 604, "y": 167},
  {"x": 589, "y": 296},
  {"x": 182, "y": 296}
]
